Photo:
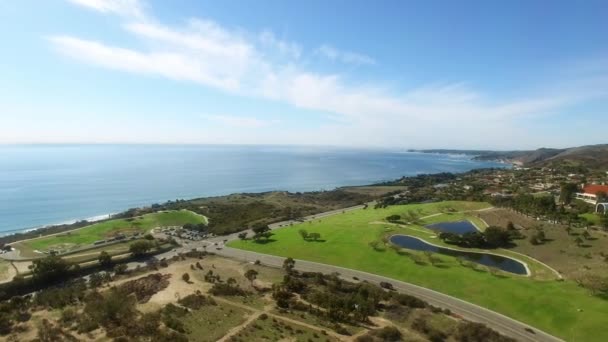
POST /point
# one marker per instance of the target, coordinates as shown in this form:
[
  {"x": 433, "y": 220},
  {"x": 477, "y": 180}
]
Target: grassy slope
[
  {"x": 592, "y": 217},
  {"x": 99, "y": 231},
  {"x": 549, "y": 305}
]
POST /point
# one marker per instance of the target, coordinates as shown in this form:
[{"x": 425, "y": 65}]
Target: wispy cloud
[
  {"x": 131, "y": 8},
  {"x": 260, "y": 65},
  {"x": 239, "y": 121},
  {"x": 348, "y": 57}
]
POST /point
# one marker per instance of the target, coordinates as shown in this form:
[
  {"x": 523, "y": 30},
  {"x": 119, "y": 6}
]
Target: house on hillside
[{"x": 595, "y": 194}]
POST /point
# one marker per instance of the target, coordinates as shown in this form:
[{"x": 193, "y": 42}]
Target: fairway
[
  {"x": 103, "y": 230},
  {"x": 549, "y": 305}
]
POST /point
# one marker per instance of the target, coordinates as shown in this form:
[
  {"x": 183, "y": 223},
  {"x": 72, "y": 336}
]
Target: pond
[
  {"x": 500, "y": 262},
  {"x": 458, "y": 227}
]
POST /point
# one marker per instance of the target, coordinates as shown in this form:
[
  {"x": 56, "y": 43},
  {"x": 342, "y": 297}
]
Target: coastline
[{"x": 73, "y": 223}]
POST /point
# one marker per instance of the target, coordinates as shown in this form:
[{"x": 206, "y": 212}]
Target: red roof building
[
  {"x": 589, "y": 193},
  {"x": 593, "y": 189}
]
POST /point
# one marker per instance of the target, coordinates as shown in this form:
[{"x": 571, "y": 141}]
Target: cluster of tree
[
  {"x": 228, "y": 288},
  {"x": 492, "y": 237},
  {"x": 141, "y": 247},
  {"x": 388, "y": 333},
  {"x": 595, "y": 283},
  {"x": 309, "y": 236},
  {"x": 261, "y": 231},
  {"x": 199, "y": 227},
  {"x": 540, "y": 206},
  {"x": 423, "y": 180}
]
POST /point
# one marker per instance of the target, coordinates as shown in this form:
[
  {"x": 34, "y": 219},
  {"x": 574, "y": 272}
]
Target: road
[
  {"x": 472, "y": 312},
  {"x": 469, "y": 311}
]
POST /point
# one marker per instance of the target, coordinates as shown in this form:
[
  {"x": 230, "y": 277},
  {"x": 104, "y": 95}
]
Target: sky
[{"x": 381, "y": 74}]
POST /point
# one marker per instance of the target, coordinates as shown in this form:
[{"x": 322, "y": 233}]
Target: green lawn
[
  {"x": 549, "y": 305},
  {"x": 103, "y": 230},
  {"x": 592, "y": 217}
]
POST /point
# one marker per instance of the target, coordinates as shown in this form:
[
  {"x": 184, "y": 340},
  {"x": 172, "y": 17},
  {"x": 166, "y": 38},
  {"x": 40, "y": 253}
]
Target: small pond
[
  {"x": 500, "y": 262},
  {"x": 458, "y": 227}
]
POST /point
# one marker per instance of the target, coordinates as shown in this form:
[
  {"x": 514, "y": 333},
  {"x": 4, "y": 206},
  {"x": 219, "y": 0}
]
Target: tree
[
  {"x": 95, "y": 280},
  {"x": 49, "y": 269},
  {"x": 510, "y": 226},
  {"x": 604, "y": 221},
  {"x": 567, "y": 192},
  {"x": 393, "y": 218},
  {"x": 120, "y": 268},
  {"x": 251, "y": 275},
  {"x": 587, "y": 235},
  {"x": 186, "y": 277},
  {"x": 497, "y": 237},
  {"x": 261, "y": 231},
  {"x": 105, "y": 259},
  {"x": 601, "y": 196},
  {"x": 242, "y": 235},
  {"x": 303, "y": 234},
  {"x": 289, "y": 264},
  {"x": 140, "y": 248},
  {"x": 231, "y": 281},
  {"x": 314, "y": 236},
  {"x": 578, "y": 241}
]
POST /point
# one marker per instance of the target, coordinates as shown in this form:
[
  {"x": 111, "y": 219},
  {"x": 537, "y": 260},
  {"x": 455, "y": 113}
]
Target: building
[{"x": 590, "y": 193}]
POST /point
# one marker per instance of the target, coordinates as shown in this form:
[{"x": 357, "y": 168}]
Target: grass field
[
  {"x": 99, "y": 231},
  {"x": 269, "y": 329},
  {"x": 213, "y": 321},
  {"x": 4, "y": 273},
  {"x": 549, "y": 305},
  {"x": 593, "y": 218}
]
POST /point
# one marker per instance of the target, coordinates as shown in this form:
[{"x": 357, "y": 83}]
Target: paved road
[
  {"x": 501, "y": 323},
  {"x": 470, "y": 311}
]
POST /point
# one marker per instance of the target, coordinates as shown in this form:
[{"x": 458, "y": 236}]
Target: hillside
[{"x": 590, "y": 156}]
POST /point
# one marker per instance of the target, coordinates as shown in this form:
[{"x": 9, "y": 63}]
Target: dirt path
[
  {"x": 236, "y": 330},
  {"x": 257, "y": 312}
]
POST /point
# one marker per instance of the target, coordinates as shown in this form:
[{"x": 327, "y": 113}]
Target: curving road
[
  {"x": 469, "y": 311},
  {"x": 472, "y": 312}
]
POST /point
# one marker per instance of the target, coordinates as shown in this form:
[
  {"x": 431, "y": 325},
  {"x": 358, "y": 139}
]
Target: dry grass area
[
  {"x": 227, "y": 318},
  {"x": 560, "y": 250}
]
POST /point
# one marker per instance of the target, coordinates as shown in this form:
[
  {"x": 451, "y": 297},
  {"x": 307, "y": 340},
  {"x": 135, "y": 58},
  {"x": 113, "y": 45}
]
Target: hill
[{"x": 590, "y": 156}]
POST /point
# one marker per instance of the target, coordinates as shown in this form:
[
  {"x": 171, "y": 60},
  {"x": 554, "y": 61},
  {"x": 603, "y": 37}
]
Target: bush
[
  {"x": 389, "y": 333},
  {"x": 472, "y": 332},
  {"x": 409, "y": 301},
  {"x": 223, "y": 289},
  {"x": 196, "y": 301}
]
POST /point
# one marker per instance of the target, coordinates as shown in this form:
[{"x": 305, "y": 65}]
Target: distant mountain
[{"x": 591, "y": 156}]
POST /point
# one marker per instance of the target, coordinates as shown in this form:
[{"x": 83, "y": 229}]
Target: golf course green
[
  {"x": 561, "y": 308},
  {"x": 103, "y": 230}
]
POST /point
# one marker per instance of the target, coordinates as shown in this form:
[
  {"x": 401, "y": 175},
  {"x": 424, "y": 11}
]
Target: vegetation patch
[
  {"x": 545, "y": 304},
  {"x": 100, "y": 231},
  {"x": 268, "y": 329}
]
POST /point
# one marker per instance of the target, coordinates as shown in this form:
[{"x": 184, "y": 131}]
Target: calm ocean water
[{"x": 41, "y": 185}]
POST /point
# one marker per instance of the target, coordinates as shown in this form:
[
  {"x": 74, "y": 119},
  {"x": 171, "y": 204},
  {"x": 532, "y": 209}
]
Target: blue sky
[{"x": 398, "y": 74}]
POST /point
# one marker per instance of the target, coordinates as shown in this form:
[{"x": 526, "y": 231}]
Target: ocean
[{"x": 51, "y": 184}]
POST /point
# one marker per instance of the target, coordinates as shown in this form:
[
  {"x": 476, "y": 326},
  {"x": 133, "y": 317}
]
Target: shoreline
[
  {"x": 91, "y": 219},
  {"x": 107, "y": 216}
]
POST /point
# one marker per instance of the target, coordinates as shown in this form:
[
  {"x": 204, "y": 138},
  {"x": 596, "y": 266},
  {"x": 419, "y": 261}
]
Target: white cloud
[
  {"x": 348, "y": 57},
  {"x": 260, "y": 65},
  {"x": 122, "y": 7}
]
